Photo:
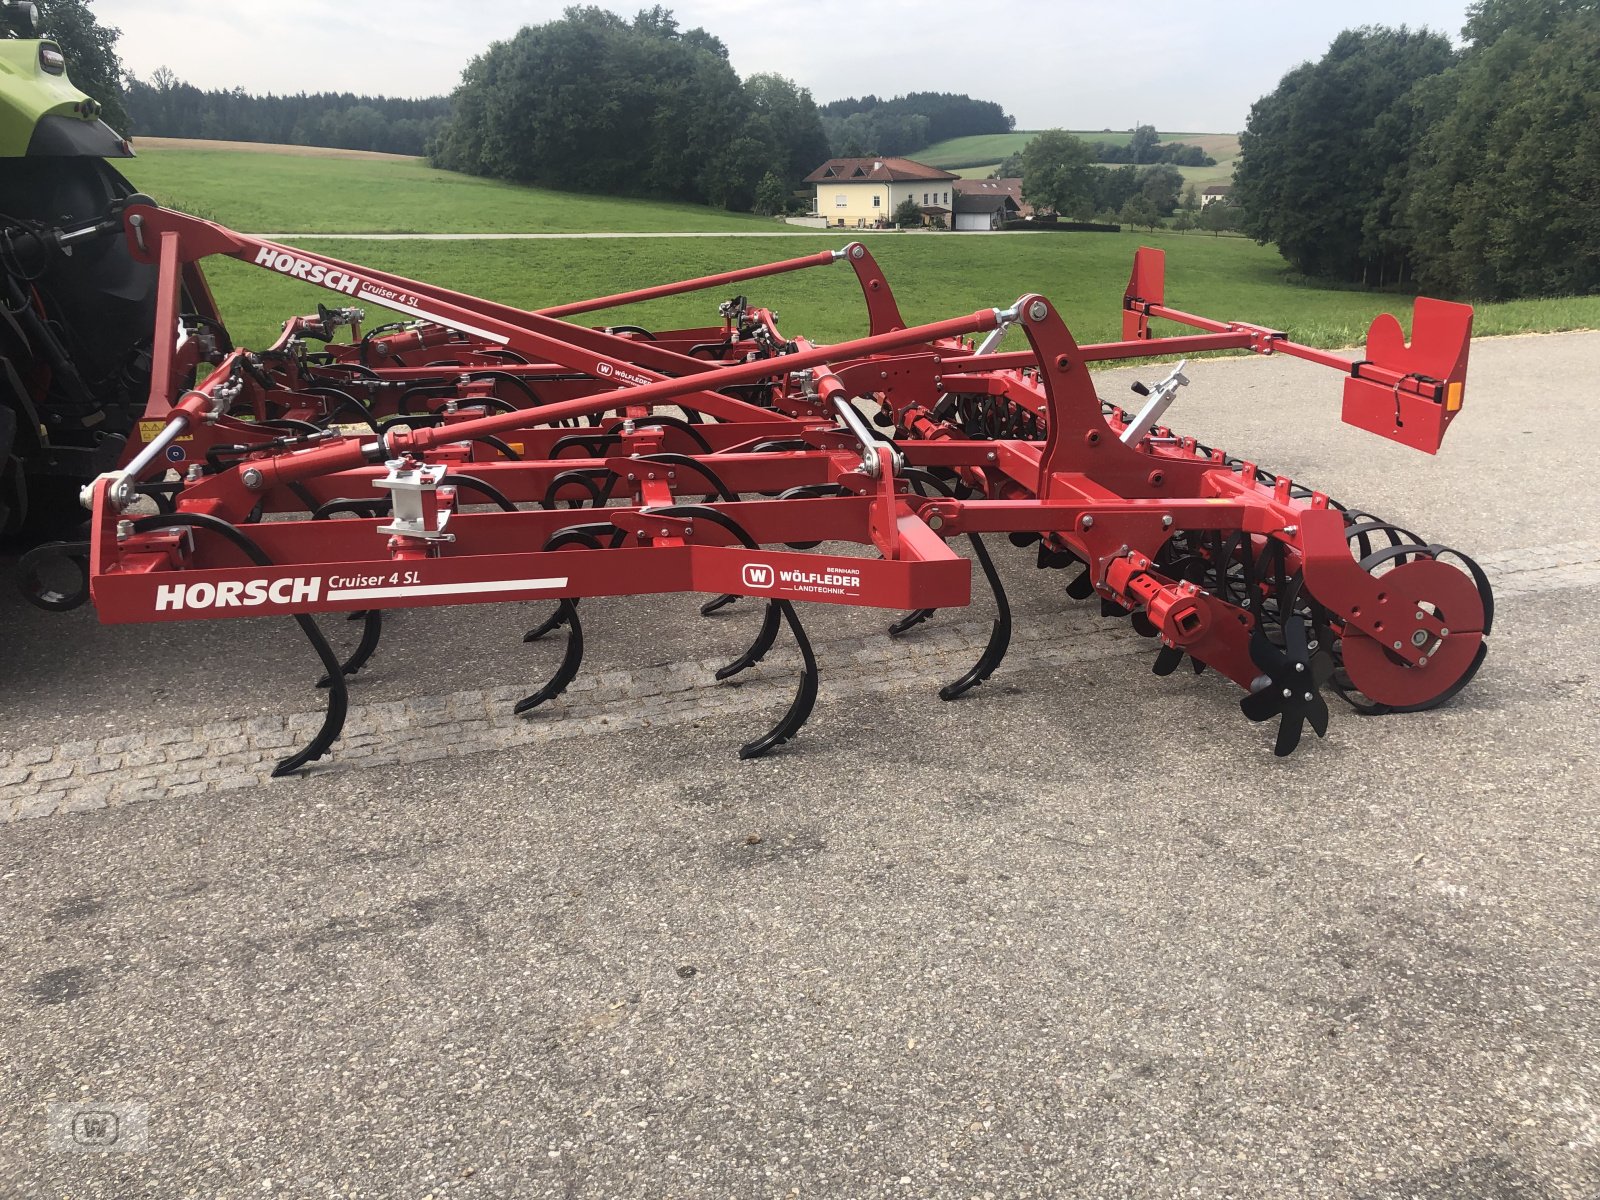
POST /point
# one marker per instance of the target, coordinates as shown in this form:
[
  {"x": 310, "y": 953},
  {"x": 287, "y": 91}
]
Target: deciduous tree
[
  {"x": 1057, "y": 174},
  {"x": 1317, "y": 152}
]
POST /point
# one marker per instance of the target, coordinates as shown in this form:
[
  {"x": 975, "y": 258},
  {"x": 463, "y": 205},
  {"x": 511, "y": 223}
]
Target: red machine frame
[{"x": 1270, "y": 584}]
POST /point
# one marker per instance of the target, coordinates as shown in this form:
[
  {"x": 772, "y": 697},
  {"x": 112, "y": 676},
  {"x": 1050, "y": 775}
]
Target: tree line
[
  {"x": 637, "y": 107},
  {"x": 1145, "y": 147},
  {"x": 1061, "y": 177},
  {"x": 906, "y": 124},
  {"x": 168, "y": 107},
  {"x": 1397, "y": 158}
]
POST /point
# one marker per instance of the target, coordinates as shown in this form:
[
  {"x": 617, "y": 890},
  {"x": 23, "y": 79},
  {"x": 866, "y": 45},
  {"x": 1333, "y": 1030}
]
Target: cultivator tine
[
  {"x": 549, "y": 625},
  {"x": 338, "y": 694},
  {"x": 766, "y": 637},
  {"x": 571, "y": 660},
  {"x": 371, "y": 631},
  {"x": 994, "y": 651},
  {"x": 716, "y": 603},
  {"x": 805, "y": 698},
  {"x": 777, "y": 610},
  {"x": 910, "y": 621}
]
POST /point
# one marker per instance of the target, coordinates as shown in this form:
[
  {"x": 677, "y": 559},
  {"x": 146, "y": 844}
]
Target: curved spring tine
[
  {"x": 777, "y": 610},
  {"x": 549, "y": 625},
  {"x": 716, "y": 602},
  {"x": 673, "y": 459},
  {"x": 338, "y": 692},
  {"x": 587, "y": 536},
  {"x": 765, "y": 637},
  {"x": 567, "y": 671},
  {"x": 371, "y": 631},
  {"x": 471, "y": 483},
  {"x": 662, "y": 421},
  {"x": 804, "y": 699},
  {"x": 999, "y": 634},
  {"x": 372, "y": 619},
  {"x": 910, "y": 621},
  {"x": 583, "y": 478}
]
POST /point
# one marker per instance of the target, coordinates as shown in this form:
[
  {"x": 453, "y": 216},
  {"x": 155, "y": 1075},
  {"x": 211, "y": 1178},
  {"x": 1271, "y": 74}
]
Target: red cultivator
[{"x": 481, "y": 453}]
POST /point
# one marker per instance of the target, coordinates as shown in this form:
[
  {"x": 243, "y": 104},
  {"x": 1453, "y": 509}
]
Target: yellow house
[{"x": 859, "y": 193}]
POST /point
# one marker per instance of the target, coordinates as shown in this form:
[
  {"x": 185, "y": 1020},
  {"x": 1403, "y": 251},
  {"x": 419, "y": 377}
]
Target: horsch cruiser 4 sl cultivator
[{"x": 480, "y": 453}]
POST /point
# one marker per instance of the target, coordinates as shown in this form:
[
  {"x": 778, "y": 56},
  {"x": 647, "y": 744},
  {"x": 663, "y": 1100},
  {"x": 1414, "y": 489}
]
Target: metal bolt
[
  {"x": 194, "y": 473},
  {"x": 252, "y": 479},
  {"x": 124, "y": 530},
  {"x": 1087, "y": 522},
  {"x": 857, "y": 251},
  {"x": 1291, "y": 530},
  {"x": 991, "y": 456},
  {"x": 1423, "y": 661},
  {"x": 1397, "y": 645},
  {"x": 1308, "y": 697},
  {"x": 1421, "y": 616},
  {"x": 1444, "y": 633},
  {"x": 632, "y": 478},
  {"x": 883, "y": 374},
  {"x": 1288, "y": 693},
  {"x": 1419, "y": 638},
  {"x": 652, "y": 475},
  {"x": 1037, "y": 310},
  {"x": 1166, "y": 522},
  {"x": 935, "y": 522},
  {"x": 1301, "y": 667}
]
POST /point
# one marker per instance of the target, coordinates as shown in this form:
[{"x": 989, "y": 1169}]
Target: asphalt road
[{"x": 1076, "y": 934}]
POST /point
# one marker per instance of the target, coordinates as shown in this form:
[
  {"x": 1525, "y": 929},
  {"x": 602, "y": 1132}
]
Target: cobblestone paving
[{"x": 44, "y": 780}]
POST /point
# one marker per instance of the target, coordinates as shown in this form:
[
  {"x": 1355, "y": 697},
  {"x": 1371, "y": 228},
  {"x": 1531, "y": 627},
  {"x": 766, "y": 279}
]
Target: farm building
[
  {"x": 862, "y": 192},
  {"x": 1216, "y": 192},
  {"x": 980, "y": 211},
  {"x": 1010, "y": 187}
]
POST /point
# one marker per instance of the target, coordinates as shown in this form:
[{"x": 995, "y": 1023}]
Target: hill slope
[
  {"x": 975, "y": 157},
  {"x": 297, "y": 189}
]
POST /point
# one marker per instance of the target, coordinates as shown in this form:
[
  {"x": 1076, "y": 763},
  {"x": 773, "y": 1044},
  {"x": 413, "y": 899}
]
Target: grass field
[
  {"x": 290, "y": 193},
  {"x": 934, "y": 276},
  {"x": 988, "y": 149}
]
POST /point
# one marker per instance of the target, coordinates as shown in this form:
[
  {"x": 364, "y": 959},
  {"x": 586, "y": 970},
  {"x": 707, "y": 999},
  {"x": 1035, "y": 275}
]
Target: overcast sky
[{"x": 1181, "y": 66}]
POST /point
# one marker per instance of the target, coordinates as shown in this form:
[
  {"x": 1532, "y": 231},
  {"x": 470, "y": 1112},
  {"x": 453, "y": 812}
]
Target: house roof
[
  {"x": 875, "y": 170},
  {"x": 985, "y": 202},
  {"x": 1004, "y": 187},
  {"x": 1217, "y": 189}
]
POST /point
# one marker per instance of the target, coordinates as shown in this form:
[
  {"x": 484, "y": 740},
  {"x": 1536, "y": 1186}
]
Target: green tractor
[{"x": 76, "y": 312}]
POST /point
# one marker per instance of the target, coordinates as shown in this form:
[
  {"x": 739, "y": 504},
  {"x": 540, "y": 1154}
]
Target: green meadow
[
  {"x": 933, "y": 275},
  {"x": 288, "y": 193}
]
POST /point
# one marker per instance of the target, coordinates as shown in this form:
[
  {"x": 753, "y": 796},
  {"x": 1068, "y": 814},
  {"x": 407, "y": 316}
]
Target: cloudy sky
[{"x": 1181, "y": 66}]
